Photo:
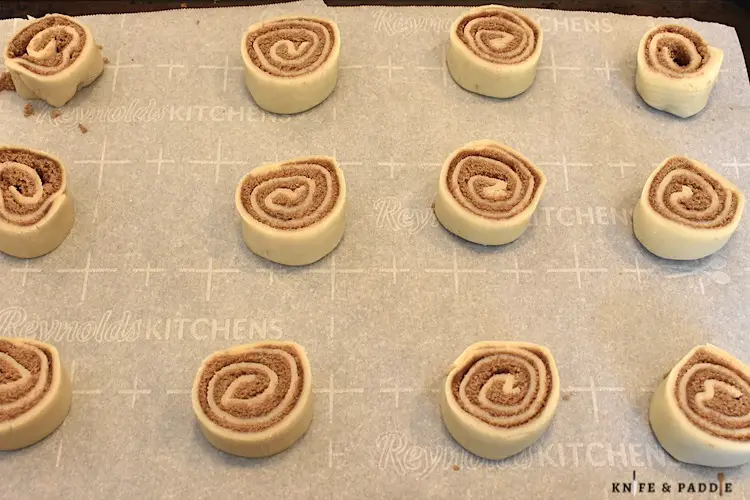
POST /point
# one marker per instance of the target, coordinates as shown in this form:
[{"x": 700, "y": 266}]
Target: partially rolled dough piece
[
  {"x": 51, "y": 58},
  {"x": 291, "y": 62},
  {"x": 700, "y": 413},
  {"x": 487, "y": 193},
  {"x": 686, "y": 210},
  {"x": 676, "y": 69},
  {"x": 254, "y": 400},
  {"x": 293, "y": 212},
  {"x": 499, "y": 397},
  {"x": 36, "y": 213},
  {"x": 494, "y": 51},
  {"x": 35, "y": 392}
]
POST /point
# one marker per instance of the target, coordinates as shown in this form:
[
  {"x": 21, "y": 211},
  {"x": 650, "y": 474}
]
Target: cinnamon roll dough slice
[
  {"x": 686, "y": 210},
  {"x": 51, "y": 58},
  {"x": 291, "y": 62},
  {"x": 293, "y": 212},
  {"x": 500, "y": 397},
  {"x": 494, "y": 51},
  {"x": 700, "y": 413},
  {"x": 36, "y": 213},
  {"x": 254, "y": 400},
  {"x": 487, "y": 193},
  {"x": 676, "y": 69},
  {"x": 35, "y": 392}
]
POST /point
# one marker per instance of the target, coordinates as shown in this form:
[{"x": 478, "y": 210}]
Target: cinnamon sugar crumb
[
  {"x": 84, "y": 128},
  {"x": 106, "y": 60},
  {"x": 6, "y": 82},
  {"x": 456, "y": 468},
  {"x": 28, "y": 110},
  {"x": 100, "y": 47},
  {"x": 55, "y": 113},
  {"x": 566, "y": 396}
]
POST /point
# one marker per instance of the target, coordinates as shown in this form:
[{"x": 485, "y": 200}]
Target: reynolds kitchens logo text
[
  {"x": 124, "y": 327},
  {"x": 134, "y": 112},
  {"x": 138, "y": 112},
  {"x": 400, "y": 454},
  {"x": 581, "y": 216},
  {"x": 393, "y": 22},
  {"x": 392, "y": 214},
  {"x": 396, "y": 217}
]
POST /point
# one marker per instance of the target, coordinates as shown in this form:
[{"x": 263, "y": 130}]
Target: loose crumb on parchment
[
  {"x": 6, "y": 82},
  {"x": 55, "y": 113},
  {"x": 106, "y": 60},
  {"x": 28, "y": 110},
  {"x": 84, "y": 128}
]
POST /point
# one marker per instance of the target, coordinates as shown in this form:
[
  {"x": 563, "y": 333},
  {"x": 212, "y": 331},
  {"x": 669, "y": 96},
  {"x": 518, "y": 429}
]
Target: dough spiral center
[
  {"x": 291, "y": 47},
  {"x": 295, "y": 195},
  {"x": 504, "y": 387},
  {"x": 715, "y": 396},
  {"x": 48, "y": 46},
  {"x": 25, "y": 377},
  {"x": 492, "y": 182},
  {"x": 676, "y": 51},
  {"x": 29, "y": 185},
  {"x": 251, "y": 391},
  {"x": 684, "y": 192},
  {"x": 498, "y": 35}
]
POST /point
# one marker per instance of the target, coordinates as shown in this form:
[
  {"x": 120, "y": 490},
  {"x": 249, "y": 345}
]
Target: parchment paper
[{"x": 400, "y": 298}]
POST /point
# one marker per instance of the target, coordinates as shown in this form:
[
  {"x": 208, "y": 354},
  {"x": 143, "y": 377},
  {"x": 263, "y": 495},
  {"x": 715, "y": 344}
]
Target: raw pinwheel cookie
[
  {"x": 676, "y": 69},
  {"x": 291, "y": 62},
  {"x": 487, "y": 193},
  {"x": 500, "y": 397},
  {"x": 51, "y": 58},
  {"x": 700, "y": 413},
  {"x": 35, "y": 392},
  {"x": 36, "y": 212},
  {"x": 686, "y": 210},
  {"x": 293, "y": 211},
  {"x": 254, "y": 400},
  {"x": 494, "y": 51}
]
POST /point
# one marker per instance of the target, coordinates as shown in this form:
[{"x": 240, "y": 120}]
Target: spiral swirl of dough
[
  {"x": 498, "y": 35},
  {"x": 48, "y": 45},
  {"x": 26, "y": 372},
  {"x": 291, "y": 47},
  {"x": 714, "y": 395},
  {"x": 492, "y": 181},
  {"x": 686, "y": 193},
  {"x": 293, "y": 195},
  {"x": 676, "y": 51},
  {"x": 29, "y": 184},
  {"x": 504, "y": 386},
  {"x": 251, "y": 390}
]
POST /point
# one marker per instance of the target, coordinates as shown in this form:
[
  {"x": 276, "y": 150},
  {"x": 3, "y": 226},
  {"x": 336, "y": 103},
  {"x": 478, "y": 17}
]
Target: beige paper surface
[{"x": 154, "y": 275}]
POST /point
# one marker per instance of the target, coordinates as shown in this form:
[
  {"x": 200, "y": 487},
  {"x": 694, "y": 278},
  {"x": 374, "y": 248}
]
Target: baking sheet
[{"x": 155, "y": 276}]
